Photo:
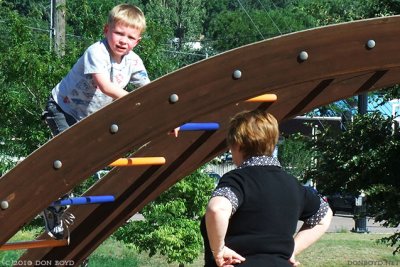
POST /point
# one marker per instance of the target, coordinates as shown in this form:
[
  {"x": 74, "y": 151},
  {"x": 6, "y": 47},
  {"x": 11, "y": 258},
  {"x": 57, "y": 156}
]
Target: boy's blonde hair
[
  {"x": 255, "y": 132},
  {"x": 129, "y": 15}
]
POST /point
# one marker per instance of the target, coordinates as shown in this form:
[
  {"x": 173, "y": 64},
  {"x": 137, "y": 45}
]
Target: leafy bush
[{"x": 171, "y": 222}]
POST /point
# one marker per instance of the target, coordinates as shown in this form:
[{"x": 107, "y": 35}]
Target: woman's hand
[
  {"x": 293, "y": 261},
  {"x": 226, "y": 257}
]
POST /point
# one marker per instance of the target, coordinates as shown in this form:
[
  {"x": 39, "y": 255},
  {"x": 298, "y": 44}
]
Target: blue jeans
[{"x": 56, "y": 118}]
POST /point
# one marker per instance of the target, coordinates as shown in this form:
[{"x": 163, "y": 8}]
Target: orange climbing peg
[
  {"x": 263, "y": 98},
  {"x": 34, "y": 244},
  {"x": 138, "y": 161}
]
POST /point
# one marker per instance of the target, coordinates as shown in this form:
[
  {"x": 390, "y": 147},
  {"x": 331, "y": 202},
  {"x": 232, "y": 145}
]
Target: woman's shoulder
[
  {"x": 238, "y": 175},
  {"x": 235, "y": 173}
]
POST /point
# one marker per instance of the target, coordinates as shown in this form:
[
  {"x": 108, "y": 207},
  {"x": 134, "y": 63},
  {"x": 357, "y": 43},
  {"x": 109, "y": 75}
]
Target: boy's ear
[
  {"x": 105, "y": 30},
  {"x": 137, "y": 42}
]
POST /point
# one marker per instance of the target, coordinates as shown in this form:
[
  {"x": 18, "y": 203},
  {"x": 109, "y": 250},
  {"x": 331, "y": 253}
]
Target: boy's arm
[{"x": 103, "y": 82}]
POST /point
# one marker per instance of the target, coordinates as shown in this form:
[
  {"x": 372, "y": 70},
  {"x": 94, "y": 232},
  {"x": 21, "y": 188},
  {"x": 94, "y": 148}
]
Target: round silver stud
[
  {"x": 114, "y": 128},
  {"x": 4, "y": 205},
  {"x": 57, "y": 164},
  {"x": 303, "y": 55},
  {"x": 237, "y": 74},
  {"x": 173, "y": 98},
  {"x": 371, "y": 44}
]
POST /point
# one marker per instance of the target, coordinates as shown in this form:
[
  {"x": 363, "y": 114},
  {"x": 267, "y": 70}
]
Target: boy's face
[{"x": 121, "y": 39}]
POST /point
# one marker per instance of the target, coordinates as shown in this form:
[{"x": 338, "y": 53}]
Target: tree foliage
[
  {"x": 364, "y": 157},
  {"x": 182, "y": 22},
  {"x": 332, "y": 12},
  {"x": 27, "y": 68},
  {"x": 296, "y": 156},
  {"x": 183, "y": 18},
  {"x": 238, "y": 24},
  {"x": 171, "y": 223}
]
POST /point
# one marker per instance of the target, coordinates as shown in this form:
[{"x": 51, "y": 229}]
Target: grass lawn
[
  {"x": 349, "y": 249},
  {"x": 334, "y": 249}
]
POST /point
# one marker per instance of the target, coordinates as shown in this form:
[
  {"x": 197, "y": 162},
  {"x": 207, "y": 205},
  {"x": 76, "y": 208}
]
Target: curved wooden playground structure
[{"x": 303, "y": 70}]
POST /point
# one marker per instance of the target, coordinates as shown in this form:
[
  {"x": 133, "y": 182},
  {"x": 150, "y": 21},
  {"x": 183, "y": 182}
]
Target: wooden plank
[{"x": 50, "y": 243}]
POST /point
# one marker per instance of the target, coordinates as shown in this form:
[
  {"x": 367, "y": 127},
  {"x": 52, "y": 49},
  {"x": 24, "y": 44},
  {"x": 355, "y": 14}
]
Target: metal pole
[
  {"x": 360, "y": 209},
  {"x": 363, "y": 103}
]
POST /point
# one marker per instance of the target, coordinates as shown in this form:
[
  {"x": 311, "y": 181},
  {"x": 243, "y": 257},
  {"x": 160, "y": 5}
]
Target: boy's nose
[{"x": 123, "y": 40}]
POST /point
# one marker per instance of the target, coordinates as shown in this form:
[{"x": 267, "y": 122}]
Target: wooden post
[{"x": 58, "y": 18}]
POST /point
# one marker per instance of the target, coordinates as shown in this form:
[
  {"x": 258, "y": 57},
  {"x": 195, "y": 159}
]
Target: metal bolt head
[
  {"x": 57, "y": 164},
  {"x": 371, "y": 44},
  {"x": 114, "y": 128},
  {"x": 237, "y": 74},
  {"x": 173, "y": 98},
  {"x": 4, "y": 205},
  {"x": 303, "y": 55}
]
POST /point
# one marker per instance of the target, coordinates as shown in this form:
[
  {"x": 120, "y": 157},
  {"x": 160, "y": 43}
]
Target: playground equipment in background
[{"x": 305, "y": 70}]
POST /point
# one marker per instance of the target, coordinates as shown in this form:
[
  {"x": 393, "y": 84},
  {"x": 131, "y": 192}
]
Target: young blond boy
[{"x": 97, "y": 78}]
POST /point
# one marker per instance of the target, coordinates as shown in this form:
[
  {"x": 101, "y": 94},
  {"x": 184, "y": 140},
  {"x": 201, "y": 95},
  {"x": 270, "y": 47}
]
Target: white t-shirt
[{"x": 77, "y": 95}]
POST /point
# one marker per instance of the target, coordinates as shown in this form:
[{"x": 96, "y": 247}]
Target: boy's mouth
[{"x": 121, "y": 48}]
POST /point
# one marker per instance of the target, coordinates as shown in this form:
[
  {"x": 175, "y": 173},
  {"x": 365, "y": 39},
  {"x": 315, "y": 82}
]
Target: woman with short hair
[{"x": 252, "y": 216}]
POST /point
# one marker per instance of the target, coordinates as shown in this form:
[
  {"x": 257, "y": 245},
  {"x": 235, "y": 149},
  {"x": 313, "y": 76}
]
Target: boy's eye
[{"x": 133, "y": 39}]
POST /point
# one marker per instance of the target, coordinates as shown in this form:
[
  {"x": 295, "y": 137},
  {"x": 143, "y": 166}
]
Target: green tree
[
  {"x": 182, "y": 18},
  {"x": 212, "y": 9},
  {"x": 171, "y": 225},
  {"x": 364, "y": 157},
  {"x": 239, "y": 24},
  {"x": 83, "y": 18},
  {"x": 383, "y": 96},
  {"x": 181, "y": 21},
  {"x": 35, "y": 9},
  {"x": 27, "y": 69},
  {"x": 296, "y": 155},
  {"x": 233, "y": 28},
  {"x": 331, "y": 12}
]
